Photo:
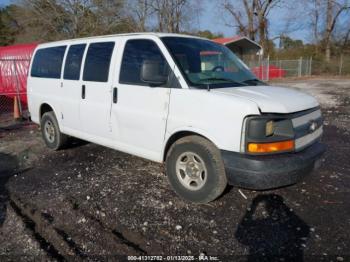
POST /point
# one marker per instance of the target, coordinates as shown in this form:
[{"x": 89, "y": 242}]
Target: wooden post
[
  {"x": 16, "y": 113},
  {"x": 17, "y": 89}
]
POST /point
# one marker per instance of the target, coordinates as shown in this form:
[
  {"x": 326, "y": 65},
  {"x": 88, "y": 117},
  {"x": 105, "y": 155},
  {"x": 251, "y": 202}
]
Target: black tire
[
  {"x": 54, "y": 139},
  {"x": 215, "y": 179}
]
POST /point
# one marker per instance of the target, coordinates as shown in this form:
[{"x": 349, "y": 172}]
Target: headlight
[
  {"x": 270, "y": 128},
  {"x": 268, "y": 134}
]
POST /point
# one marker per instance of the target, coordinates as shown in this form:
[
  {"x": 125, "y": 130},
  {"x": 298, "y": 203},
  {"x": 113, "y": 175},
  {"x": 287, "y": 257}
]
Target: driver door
[{"x": 139, "y": 110}]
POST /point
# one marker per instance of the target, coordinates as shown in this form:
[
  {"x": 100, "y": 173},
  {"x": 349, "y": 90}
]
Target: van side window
[
  {"x": 47, "y": 62},
  {"x": 73, "y": 62},
  {"x": 135, "y": 52},
  {"x": 98, "y": 59}
]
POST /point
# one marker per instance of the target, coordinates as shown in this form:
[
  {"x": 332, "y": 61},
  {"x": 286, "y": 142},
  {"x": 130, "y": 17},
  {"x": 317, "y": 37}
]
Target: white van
[{"x": 182, "y": 100}]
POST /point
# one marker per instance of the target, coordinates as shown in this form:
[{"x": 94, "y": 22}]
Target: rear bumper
[{"x": 272, "y": 171}]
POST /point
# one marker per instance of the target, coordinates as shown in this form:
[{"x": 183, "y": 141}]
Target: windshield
[{"x": 207, "y": 64}]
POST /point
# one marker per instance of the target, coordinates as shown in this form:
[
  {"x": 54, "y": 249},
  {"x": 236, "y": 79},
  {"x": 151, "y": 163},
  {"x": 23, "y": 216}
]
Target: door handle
[
  {"x": 115, "y": 95},
  {"x": 83, "y": 92}
]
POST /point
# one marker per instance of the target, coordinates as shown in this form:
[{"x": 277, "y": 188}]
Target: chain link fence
[
  {"x": 13, "y": 95},
  {"x": 267, "y": 69},
  {"x": 336, "y": 66}
]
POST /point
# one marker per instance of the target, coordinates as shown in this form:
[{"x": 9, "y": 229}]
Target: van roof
[{"x": 121, "y": 35}]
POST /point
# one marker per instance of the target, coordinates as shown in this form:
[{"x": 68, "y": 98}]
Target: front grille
[
  {"x": 306, "y": 140},
  {"x": 301, "y": 120},
  {"x": 307, "y": 128}
]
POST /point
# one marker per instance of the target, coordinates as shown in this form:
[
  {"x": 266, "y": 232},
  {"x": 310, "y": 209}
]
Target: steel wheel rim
[
  {"x": 49, "y": 131},
  {"x": 191, "y": 171}
]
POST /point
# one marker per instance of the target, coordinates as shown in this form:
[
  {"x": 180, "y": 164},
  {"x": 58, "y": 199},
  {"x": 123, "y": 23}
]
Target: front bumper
[{"x": 270, "y": 171}]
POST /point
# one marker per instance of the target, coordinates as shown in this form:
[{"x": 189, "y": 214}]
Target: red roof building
[
  {"x": 14, "y": 66},
  {"x": 240, "y": 45}
]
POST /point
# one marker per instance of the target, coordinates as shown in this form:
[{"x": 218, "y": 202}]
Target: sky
[
  {"x": 4, "y": 2},
  {"x": 211, "y": 19}
]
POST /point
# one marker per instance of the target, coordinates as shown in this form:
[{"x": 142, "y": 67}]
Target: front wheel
[
  {"x": 51, "y": 133},
  {"x": 195, "y": 169}
]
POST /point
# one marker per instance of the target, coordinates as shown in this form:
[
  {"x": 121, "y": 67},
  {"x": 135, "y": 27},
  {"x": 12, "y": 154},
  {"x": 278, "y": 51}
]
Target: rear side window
[
  {"x": 73, "y": 62},
  {"x": 47, "y": 62},
  {"x": 97, "y": 61},
  {"x": 135, "y": 52}
]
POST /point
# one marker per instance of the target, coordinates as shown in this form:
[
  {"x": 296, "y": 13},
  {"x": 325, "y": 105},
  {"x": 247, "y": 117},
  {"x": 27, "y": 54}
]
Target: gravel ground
[{"x": 90, "y": 202}]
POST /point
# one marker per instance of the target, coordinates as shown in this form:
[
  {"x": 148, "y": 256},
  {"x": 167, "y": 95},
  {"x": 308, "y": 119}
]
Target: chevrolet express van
[{"x": 182, "y": 100}]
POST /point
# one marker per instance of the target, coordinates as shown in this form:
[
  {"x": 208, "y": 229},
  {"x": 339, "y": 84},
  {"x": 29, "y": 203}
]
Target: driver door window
[{"x": 135, "y": 53}]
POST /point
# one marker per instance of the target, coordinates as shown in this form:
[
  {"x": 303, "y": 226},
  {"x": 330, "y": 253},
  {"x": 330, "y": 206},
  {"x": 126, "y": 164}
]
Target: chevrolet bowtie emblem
[{"x": 313, "y": 126}]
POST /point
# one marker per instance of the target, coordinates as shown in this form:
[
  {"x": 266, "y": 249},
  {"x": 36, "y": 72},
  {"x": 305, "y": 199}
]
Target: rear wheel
[
  {"x": 195, "y": 169},
  {"x": 51, "y": 133}
]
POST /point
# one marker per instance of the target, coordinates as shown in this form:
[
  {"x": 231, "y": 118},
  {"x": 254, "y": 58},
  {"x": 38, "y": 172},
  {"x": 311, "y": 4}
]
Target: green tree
[
  {"x": 8, "y": 27},
  {"x": 288, "y": 43},
  {"x": 50, "y": 20},
  {"x": 208, "y": 34}
]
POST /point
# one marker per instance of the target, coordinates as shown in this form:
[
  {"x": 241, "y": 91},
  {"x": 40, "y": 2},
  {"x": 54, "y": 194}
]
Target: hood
[{"x": 271, "y": 99}]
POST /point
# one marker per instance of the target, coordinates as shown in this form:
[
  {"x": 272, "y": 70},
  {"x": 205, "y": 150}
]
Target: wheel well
[
  {"x": 176, "y": 137},
  {"x": 44, "y": 109}
]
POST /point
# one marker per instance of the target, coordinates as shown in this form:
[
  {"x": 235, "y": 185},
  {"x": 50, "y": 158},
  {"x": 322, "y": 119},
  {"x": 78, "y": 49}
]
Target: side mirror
[{"x": 152, "y": 72}]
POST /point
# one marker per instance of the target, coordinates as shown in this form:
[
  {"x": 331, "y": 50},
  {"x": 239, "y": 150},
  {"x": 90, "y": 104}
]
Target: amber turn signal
[{"x": 271, "y": 147}]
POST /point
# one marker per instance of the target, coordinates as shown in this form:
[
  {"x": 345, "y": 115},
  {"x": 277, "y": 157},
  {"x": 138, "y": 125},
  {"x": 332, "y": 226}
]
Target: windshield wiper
[
  {"x": 254, "y": 81},
  {"x": 223, "y": 79}
]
